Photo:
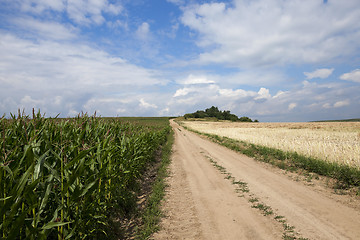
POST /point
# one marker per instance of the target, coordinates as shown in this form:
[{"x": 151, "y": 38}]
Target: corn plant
[{"x": 62, "y": 178}]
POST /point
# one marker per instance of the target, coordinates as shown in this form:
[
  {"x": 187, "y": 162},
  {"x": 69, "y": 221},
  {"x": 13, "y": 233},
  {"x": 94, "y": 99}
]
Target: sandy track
[{"x": 201, "y": 204}]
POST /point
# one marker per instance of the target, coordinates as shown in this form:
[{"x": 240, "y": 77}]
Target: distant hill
[
  {"x": 344, "y": 120},
  {"x": 214, "y": 112}
]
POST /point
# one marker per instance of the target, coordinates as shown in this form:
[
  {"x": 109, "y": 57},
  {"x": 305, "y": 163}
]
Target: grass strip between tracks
[
  {"x": 346, "y": 176},
  {"x": 152, "y": 214}
]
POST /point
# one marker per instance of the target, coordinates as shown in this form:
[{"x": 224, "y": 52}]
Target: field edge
[
  {"x": 152, "y": 214},
  {"x": 346, "y": 176}
]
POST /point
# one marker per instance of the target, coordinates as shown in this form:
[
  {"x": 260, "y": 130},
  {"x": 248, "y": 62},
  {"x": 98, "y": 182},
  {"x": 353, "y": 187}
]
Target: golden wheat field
[{"x": 331, "y": 141}]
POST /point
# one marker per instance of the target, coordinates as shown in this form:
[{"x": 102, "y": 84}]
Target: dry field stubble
[{"x": 330, "y": 141}]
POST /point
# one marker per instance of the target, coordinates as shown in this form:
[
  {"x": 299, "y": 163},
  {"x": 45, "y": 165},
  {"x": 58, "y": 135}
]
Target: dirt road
[{"x": 215, "y": 193}]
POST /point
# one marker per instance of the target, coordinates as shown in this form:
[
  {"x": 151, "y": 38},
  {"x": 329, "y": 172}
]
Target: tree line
[{"x": 214, "y": 112}]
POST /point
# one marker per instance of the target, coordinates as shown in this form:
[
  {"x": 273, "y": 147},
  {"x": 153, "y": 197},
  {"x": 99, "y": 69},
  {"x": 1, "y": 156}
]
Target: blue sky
[{"x": 272, "y": 60}]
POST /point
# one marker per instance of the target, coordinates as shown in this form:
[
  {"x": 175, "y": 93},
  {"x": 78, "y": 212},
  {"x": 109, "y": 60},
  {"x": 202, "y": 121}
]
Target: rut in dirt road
[{"x": 202, "y": 204}]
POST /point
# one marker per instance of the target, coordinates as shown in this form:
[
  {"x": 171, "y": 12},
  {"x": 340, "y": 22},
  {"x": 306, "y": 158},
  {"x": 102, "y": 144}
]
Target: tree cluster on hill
[{"x": 216, "y": 113}]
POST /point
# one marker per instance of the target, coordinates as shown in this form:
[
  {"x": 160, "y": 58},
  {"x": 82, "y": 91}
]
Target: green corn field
[{"x": 63, "y": 178}]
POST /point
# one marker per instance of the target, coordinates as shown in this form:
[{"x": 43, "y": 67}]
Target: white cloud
[
  {"x": 58, "y": 100},
  {"x": 342, "y": 103},
  {"x": 202, "y": 96},
  {"x": 326, "y": 105},
  {"x": 351, "y": 76},
  {"x": 292, "y": 106},
  {"x": 28, "y": 100},
  {"x": 305, "y": 102},
  {"x": 192, "y": 79},
  {"x": 257, "y": 77},
  {"x": 118, "y": 24},
  {"x": 201, "y": 92},
  {"x": 45, "y": 29},
  {"x": 114, "y": 9},
  {"x": 120, "y": 110},
  {"x": 145, "y": 104},
  {"x": 39, "y": 6},
  {"x": 47, "y": 64},
  {"x": 83, "y": 12},
  {"x": 279, "y": 94},
  {"x": 143, "y": 31},
  {"x": 111, "y": 106},
  {"x": 183, "y": 92},
  {"x": 274, "y": 32},
  {"x": 338, "y": 104},
  {"x": 311, "y": 101},
  {"x": 263, "y": 94},
  {"x": 62, "y": 64},
  {"x": 319, "y": 73},
  {"x": 237, "y": 93},
  {"x": 44, "y": 70}
]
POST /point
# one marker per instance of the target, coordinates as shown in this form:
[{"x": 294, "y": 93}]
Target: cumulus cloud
[
  {"x": 256, "y": 77},
  {"x": 263, "y": 94},
  {"x": 47, "y": 61},
  {"x": 82, "y": 12},
  {"x": 68, "y": 63},
  {"x": 337, "y": 104},
  {"x": 235, "y": 93},
  {"x": 38, "y": 6},
  {"x": 145, "y": 104},
  {"x": 28, "y": 100},
  {"x": 76, "y": 72},
  {"x": 143, "y": 31},
  {"x": 118, "y": 24},
  {"x": 326, "y": 105},
  {"x": 198, "y": 91},
  {"x": 216, "y": 92},
  {"x": 312, "y": 101},
  {"x": 292, "y": 106},
  {"x": 114, "y": 9},
  {"x": 193, "y": 79},
  {"x": 45, "y": 29},
  {"x": 279, "y": 94},
  {"x": 353, "y": 76},
  {"x": 249, "y": 77},
  {"x": 319, "y": 73},
  {"x": 183, "y": 92},
  {"x": 263, "y": 32},
  {"x": 342, "y": 103},
  {"x": 122, "y": 104},
  {"x": 195, "y": 97}
]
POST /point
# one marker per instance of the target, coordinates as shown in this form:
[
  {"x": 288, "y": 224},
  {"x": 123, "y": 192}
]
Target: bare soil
[{"x": 202, "y": 204}]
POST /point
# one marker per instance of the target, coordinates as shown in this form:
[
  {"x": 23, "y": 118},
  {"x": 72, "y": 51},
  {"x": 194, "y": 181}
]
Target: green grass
[
  {"x": 266, "y": 210},
  {"x": 253, "y": 200},
  {"x": 145, "y": 121}
]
